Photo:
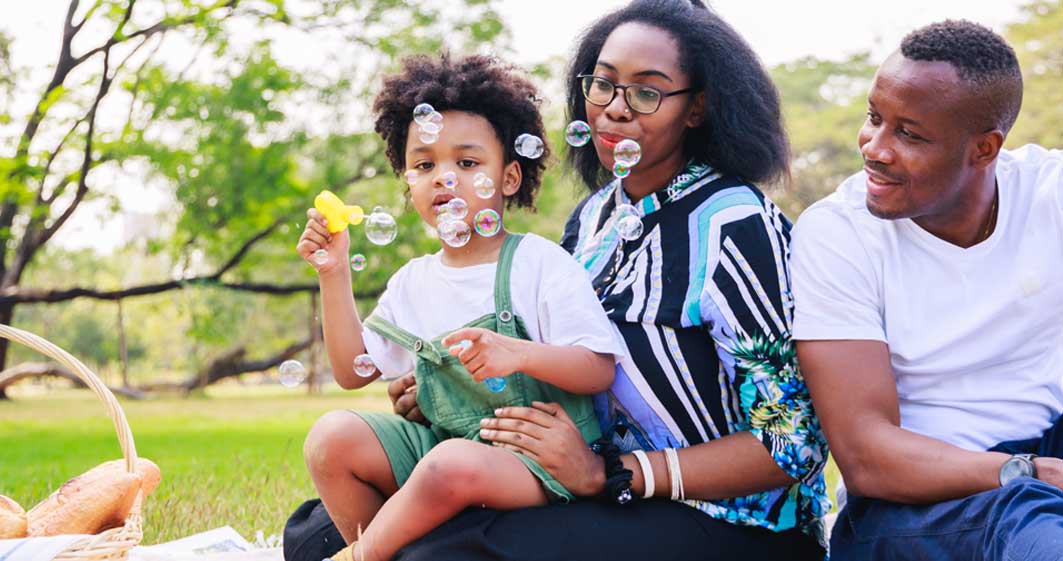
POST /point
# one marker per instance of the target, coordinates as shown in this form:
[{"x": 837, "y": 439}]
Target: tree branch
[
  {"x": 151, "y": 30},
  {"x": 20, "y": 295},
  {"x": 240, "y": 253},
  {"x": 232, "y": 363}
]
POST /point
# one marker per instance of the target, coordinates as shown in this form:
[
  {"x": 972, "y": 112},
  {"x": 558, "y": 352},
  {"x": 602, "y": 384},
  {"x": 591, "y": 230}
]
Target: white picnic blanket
[{"x": 219, "y": 544}]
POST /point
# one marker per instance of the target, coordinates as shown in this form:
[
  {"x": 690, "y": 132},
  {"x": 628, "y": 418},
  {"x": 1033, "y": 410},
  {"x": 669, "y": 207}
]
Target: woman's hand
[
  {"x": 403, "y": 394},
  {"x": 488, "y": 354},
  {"x": 316, "y": 236},
  {"x": 545, "y": 433}
]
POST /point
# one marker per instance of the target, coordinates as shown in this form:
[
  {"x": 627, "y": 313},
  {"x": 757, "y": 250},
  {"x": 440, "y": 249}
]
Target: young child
[{"x": 523, "y": 303}]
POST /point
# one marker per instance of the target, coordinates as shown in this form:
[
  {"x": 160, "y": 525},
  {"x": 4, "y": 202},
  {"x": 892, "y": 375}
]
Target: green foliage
[
  {"x": 1038, "y": 42},
  {"x": 823, "y": 105}
]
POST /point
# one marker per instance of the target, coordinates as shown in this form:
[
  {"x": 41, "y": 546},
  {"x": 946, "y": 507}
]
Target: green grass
[
  {"x": 227, "y": 458},
  {"x": 233, "y": 457}
]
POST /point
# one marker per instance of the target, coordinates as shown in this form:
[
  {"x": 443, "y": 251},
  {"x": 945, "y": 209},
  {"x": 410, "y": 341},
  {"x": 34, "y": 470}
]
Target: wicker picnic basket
[{"x": 113, "y": 544}]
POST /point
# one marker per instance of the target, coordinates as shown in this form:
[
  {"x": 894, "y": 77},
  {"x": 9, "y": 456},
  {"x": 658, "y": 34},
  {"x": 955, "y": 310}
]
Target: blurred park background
[{"x": 157, "y": 158}]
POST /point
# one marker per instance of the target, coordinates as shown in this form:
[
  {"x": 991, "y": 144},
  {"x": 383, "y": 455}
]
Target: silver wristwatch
[{"x": 1019, "y": 465}]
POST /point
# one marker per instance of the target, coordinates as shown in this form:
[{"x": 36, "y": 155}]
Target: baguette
[
  {"x": 12, "y": 519},
  {"x": 90, "y": 503}
]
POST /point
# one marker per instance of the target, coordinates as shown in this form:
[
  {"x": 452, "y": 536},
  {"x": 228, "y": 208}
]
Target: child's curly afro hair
[{"x": 483, "y": 85}]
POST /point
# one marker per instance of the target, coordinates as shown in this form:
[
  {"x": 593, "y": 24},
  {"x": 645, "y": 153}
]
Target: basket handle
[{"x": 114, "y": 410}]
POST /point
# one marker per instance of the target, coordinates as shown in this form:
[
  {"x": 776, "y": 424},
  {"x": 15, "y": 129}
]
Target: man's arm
[{"x": 855, "y": 396}]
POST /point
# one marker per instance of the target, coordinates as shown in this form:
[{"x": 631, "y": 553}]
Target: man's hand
[
  {"x": 488, "y": 354},
  {"x": 403, "y": 394},
  {"x": 1049, "y": 470}
]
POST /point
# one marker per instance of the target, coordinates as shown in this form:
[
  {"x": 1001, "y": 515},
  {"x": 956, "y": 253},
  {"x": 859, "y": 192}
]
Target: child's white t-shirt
[
  {"x": 549, "y": 290},
  {"x": 975, "y": 334}
]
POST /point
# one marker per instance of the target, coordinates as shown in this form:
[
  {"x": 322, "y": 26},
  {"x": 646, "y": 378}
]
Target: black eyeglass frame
[{"x": 624, "y": 87}]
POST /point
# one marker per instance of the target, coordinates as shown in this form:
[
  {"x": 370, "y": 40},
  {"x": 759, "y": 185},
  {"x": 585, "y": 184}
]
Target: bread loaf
[
  {"x": 90, "y": 503},
  {"x": 12, "y": 519}
]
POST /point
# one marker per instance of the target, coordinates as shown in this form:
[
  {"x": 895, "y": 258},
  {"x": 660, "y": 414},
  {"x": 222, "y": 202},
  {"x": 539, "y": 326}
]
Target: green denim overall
[{"x": 455, "y": 403}]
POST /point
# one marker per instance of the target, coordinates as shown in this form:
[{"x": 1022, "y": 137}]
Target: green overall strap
[
  {"x": 507, "y": 324},
  {"x": 404, "y": 339}
]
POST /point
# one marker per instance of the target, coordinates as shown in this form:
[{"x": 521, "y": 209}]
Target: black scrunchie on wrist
[{"x": 617, "y": 477}]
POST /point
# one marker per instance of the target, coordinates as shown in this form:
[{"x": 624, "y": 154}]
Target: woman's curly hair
[
  {"x": 742, "y": 132},
  {"x": 483, "y": 85}
]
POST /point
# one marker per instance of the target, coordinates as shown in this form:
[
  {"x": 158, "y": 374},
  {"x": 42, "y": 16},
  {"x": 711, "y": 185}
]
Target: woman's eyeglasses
[{"x": 640, "y": 98}]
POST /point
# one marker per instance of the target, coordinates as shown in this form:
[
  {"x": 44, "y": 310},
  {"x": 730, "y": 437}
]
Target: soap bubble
[
  {"x": 380, "y": 227},
  {"x": 435, "y": 118},
  {"x": 578, "y": 133},
  {"x": 320, "y": 257},
  {"x": 465, "y": 344},
  {"x": 457, "y": 208},
  {"x": 484, "y": 186},
  {"x": 455, "y": 233},
  {"x": 431, "y": 128},
  {"x": 444, "y": 224},
  {"x": 621, "y": 170},
  {"x": 421, "y": 113},
  {"x": 364, "y": 366},
  {"x": 628, "y": 223},
  {"x": 358, "y": 262},
  {"x": 623, "y": 211},
  {"x": 429, "y": 138},
  {"x": 291, "y": 373},
  {"x": 412, "y": 176},
  {"x": 530, "y": 146},
  {"x": 450, "y": 180},
  {"x": 487, "y": 222},
  {"x": 627, "y": 151},
  {"x": 629, "y": 228},
  {"x": 495, "y": 384}
]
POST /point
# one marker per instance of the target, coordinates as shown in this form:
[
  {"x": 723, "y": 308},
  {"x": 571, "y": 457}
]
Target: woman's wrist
[{"x": 594, "y": 484}]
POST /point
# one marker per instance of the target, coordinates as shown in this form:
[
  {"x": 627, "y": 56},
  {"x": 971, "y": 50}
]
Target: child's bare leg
[
  {"x": 455, "y": 475},
  {"x": 350, "y": 470}
]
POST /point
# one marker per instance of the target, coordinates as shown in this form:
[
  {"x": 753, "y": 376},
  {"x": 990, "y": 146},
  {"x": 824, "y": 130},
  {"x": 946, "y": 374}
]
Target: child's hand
[
  {"x": 317, "y": 237},
  {"x": 489, "y": 355}
]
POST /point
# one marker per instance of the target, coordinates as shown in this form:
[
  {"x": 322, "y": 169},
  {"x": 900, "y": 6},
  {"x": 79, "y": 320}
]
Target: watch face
[{"x": 1015, "y": 468}]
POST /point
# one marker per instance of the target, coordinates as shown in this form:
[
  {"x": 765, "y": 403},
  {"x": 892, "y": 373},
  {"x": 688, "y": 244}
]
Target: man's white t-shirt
[
  {"x": 975, "y": 335},
  {"x": 550, "y": 292}
]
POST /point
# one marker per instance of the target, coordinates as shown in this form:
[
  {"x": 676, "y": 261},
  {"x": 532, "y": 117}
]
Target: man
[{"x": 929, "y": 314}]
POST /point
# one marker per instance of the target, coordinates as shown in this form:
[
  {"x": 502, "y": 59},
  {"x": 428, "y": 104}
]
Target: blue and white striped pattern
[{"x": 702, "y": 301}]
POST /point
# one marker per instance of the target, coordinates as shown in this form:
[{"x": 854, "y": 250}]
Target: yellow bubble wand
[{"x": 338, "y": 214}]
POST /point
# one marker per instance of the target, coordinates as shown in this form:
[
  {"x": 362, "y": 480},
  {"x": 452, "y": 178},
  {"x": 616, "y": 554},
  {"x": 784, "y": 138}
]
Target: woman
[{"x": 701, "y": 299}]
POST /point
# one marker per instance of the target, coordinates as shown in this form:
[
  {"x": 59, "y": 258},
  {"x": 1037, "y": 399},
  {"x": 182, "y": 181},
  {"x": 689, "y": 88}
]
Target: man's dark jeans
[{"x": 1020, "y": 522}]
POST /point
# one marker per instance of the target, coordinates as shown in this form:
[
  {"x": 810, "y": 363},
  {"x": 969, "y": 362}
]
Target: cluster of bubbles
[
  {"x": 628, "y": 221},
  {"x": 291, "y": 373},
  {"x": 450, "y": 223},
  {"x": 429, "y": 122}
]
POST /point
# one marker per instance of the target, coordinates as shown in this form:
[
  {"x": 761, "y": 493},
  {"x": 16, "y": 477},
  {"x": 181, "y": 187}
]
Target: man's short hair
[{"x": 983, "y": 60}]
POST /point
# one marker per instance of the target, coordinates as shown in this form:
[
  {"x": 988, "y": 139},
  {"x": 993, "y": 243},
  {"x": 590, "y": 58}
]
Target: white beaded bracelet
[{"x": 647, "y": 473}]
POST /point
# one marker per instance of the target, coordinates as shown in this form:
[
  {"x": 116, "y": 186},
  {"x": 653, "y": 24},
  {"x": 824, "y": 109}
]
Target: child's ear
[{"x": 512, "y": 176}]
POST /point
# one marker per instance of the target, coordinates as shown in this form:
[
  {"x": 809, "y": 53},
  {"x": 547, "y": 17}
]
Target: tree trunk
[
  {"x": 7, "y": 312},
  {"x": 313, "y": 378},
  {"x": 123, "y": 352}
]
